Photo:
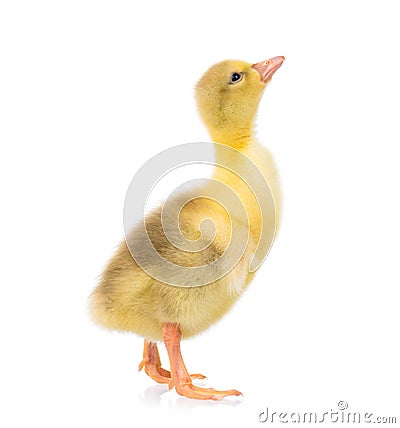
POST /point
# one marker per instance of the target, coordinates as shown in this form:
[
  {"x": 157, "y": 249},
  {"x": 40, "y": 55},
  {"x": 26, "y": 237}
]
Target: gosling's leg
[
  {"x": 180, "y": 377},
  {"x": 152, "y": 364}
]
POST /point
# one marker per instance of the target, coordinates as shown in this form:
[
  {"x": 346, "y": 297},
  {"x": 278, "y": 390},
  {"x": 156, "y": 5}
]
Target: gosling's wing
[{"x": 188, "y": 244}]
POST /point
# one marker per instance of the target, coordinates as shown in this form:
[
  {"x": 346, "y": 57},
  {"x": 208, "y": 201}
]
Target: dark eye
[{"x": 236, "y": 77}]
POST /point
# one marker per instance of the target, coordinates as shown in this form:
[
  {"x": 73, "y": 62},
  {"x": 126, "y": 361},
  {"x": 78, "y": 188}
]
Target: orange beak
[{"x": 267, "y": 68}]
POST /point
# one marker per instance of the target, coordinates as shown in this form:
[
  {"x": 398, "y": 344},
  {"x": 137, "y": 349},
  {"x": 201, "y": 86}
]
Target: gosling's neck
[
  {"x": 243, "y": 138},
  {"x": 239, "y": 137}
]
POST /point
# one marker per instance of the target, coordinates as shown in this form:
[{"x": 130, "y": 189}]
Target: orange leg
[
  {"x": 152, "y": 364},
  {"x": 180, "y": 377}
]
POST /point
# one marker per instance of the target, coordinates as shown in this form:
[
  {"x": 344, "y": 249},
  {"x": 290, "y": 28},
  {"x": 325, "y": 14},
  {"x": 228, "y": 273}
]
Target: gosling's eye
[{"x": 236, "y": 77}]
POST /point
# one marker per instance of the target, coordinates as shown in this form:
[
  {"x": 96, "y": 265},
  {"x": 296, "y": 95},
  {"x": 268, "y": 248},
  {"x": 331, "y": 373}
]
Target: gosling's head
[{"x": 228, "y": 95}]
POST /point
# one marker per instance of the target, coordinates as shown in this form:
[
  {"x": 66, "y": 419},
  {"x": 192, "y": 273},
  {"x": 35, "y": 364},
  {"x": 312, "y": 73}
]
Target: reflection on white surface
[{"x": 153, "y": 395}]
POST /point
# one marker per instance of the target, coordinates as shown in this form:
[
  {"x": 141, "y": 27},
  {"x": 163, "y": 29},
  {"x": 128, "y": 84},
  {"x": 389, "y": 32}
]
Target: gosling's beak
[{"x": 267, "y": 68}]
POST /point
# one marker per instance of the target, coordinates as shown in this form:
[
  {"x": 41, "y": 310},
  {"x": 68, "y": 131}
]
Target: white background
[{"x": 89, "y": 91}]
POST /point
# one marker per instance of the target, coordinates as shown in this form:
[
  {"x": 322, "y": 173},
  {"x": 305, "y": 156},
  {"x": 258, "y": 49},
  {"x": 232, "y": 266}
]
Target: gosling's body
[{"x": 128, "y": 299}]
